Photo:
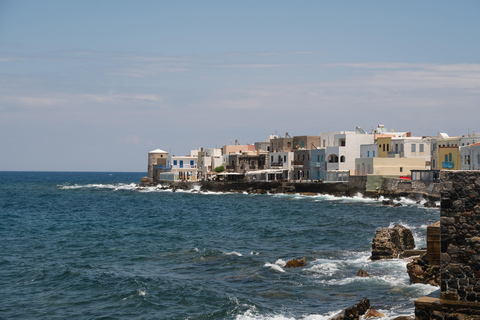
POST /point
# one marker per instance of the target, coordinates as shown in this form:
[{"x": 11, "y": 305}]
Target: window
[
  {"x": 414, "y": 147},
  {"x": 271, "y": 158},
  {"x": 303, "y": 144},
  {"x": 324, "y": 143},
  {"x": 373, "y": 154},
  {"x": 174, "y": 162},
  {"x": 368, "y": 154},
  {"x": 401, "y": 169},
  {"x": 192, "y": 163},
  {"x": 434, "y": 147},
  {"x": 450, "y": 157},
  {"x": 433, "y": 164},
  {"x": 383, "y": 147},
  {"x": 421, "y": 147},
  {"x": 446, "y": 157},
  {"x": 388, "y": 147},
  {"x": 318, "y": 158},
  {"x": 342, "y": 159},
  {"x": 478, "y": 158},
  {"x": 284, "y": 158},
  {"x": 289, "y": 144}
]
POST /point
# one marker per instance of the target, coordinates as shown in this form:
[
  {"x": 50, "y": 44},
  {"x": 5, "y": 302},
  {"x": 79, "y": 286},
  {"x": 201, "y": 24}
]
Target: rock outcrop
[
  {"x": 354, "y": 312},
  {"x": 389, "y": 243},
  {"x": 362, "y": 273},
  {"x": 294, "y": 263},
  {"x": 420, "y": 271},
  {"x": 372, "y": 313}
]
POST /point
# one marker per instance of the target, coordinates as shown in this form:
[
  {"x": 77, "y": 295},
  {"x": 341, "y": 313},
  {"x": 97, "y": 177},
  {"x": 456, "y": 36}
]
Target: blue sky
[{"x": 95, "y": 85}]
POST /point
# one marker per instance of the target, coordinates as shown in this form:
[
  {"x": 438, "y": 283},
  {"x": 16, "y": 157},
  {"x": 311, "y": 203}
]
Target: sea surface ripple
[{"x": 95, "y": 246}]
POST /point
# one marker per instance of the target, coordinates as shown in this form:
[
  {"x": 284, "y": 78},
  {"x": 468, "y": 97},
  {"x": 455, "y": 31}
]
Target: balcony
[
  {"x": 298, "y": 163},
  {"x": 184, "y": 166},
  {"x": 447, "y": 165},
  {"x": 163, "y": 167},
  {"x": 276, "y": 164},
  {"x": 317, "y": 164}
]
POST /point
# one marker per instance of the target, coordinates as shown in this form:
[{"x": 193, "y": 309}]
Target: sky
[{"x": 96, "y": 85}]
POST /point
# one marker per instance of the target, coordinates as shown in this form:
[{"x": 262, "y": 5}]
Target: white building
[
  {"x": 342, "y": 148},
  {"x": 282, "y": 161},
  {"x": 180, "y": 168},
  {"x": 470, "y": 157},
  {"x": 368, "y": 151},
  {"x": 208, "y": 159},
  {"x": 412, "y": 147}
]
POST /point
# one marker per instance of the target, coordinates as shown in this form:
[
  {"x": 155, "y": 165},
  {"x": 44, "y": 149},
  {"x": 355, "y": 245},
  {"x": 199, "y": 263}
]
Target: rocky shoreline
[{"x": 391, "y": 189}]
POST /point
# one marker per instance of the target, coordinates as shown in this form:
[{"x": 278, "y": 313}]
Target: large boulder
[{"x": 389, "y": 243}]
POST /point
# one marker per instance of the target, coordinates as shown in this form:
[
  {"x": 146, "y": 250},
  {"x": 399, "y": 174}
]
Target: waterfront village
[
  {"x": 327, "y": 157},
  {"x": 445, "y": 167}
]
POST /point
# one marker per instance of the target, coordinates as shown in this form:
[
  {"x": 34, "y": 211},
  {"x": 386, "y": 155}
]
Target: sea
[{"x": 94, "y": 245}]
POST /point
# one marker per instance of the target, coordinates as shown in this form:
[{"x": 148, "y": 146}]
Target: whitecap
[
  {"x": 234, "y": 253},
  {"x": 274, "y": 267}
]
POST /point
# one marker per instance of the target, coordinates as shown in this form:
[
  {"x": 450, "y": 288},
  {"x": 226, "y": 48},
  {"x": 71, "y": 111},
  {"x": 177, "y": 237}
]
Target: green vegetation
[{"x": 219, "y": 169}]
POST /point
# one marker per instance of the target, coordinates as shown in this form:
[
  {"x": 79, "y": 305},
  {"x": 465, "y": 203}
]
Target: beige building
[
  {"x": 281, "y": 144},
  {"x": 237, "y": 148},
  {"x": 388, "y": 166},
  {"x": 306, "y": 142}
]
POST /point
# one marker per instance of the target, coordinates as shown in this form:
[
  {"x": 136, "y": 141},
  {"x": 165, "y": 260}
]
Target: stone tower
[{"x": 156, "y": 158}]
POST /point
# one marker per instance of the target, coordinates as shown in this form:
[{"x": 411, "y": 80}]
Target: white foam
[
  {"x": 274, "y": 267},
  {"x": 328, "y": 268},
  {"x": 253, "y": 253},
  {"x": 234, "y": 253},
  {"x": 252, "y": 314}
]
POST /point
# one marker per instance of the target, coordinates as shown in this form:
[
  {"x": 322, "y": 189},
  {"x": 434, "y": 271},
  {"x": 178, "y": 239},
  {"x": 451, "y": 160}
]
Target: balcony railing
[
  {"x": 276, "y": 164},
  {"x": 447, "y": 165},
  {"x": 184, "y": 166},
  {"x": 317, "y": 164},
  {"x": 163, "y": 167},
  {"x": 297, "y": 163},
  {"x": 230, "y": 168}
]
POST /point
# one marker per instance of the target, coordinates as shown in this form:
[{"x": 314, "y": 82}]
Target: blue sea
[{"x": 83, "y": 245}]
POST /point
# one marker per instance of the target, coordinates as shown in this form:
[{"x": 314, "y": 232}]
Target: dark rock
[
  {"x": 430, "y": 204},
  {"x": 354, "y": 312},
  {"x": 363, "y": 273},
  {"x": 389, "y": 243},
  {"x": 294, "y": 263},
  {"x": 404, "y": 318},
  {"x": 388, "y": 202}
]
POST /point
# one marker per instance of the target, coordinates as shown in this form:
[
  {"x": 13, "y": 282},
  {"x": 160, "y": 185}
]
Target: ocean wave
[
  {"x": 253, "y": 314},
  {"x": 277, "y": 266},
  {"x": 115, "y": 187},
  {"x": 234, "y": 253}
]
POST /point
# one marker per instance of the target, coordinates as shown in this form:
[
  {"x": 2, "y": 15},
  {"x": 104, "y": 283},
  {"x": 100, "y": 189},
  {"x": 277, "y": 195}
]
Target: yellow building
[
  {"x": 449, "y": 158},
  {"x": 384, "y": 143}
]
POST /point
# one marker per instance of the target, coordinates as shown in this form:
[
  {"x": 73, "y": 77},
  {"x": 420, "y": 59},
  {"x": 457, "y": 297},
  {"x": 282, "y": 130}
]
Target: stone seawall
[{"x": 391, "y": 188}]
